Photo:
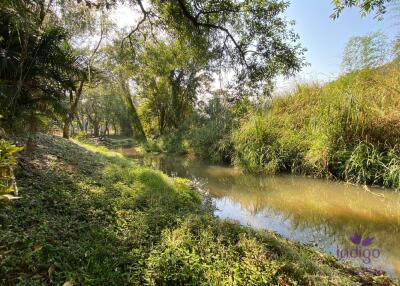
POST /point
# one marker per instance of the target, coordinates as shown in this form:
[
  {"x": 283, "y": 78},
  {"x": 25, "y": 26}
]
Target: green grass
[
  {"x": 348, "y": 129},
  {"x": 88, "y": 216},
  {"x": 111, "y": 142}
]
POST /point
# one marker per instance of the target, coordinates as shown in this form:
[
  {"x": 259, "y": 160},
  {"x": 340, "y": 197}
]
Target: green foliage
[
  {"x": 89, "y": 216},
  {"x": 38, "y": 65},
  {"x": 365, "y": 6},
  {"x": 211, "y": 137},
  {"x": 263, "y": 146},
  {"x": 363, "y": 52},
  {"x": 175, "y": 142},
  {"x": 168, "y": 77},
  {"x": 203, "y": 251},
  {"x": 347, "y": 129},
  {"x": 373, "y": 165},
  {"x": 251, "y": 38},
  {"x": 7, "y": 151},
  {"x": 7, "y": 163},
  {"x": 103, "y": 109}
]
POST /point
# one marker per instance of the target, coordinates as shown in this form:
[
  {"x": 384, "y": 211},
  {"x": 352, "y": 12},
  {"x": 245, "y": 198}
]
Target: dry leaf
[{"x": 50, "y": 271}]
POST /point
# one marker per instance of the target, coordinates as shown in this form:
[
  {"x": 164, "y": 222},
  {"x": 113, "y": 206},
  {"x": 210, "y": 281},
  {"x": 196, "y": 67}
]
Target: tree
[
  {"x": 250, "y": 38},
  {"x": 82, "y": 23},
  {"x": 367, "y": 51},
  {"x": 38, "y": 64},
  {"x": 366, "y": 7},
  {"x": 168, "y": 75}
]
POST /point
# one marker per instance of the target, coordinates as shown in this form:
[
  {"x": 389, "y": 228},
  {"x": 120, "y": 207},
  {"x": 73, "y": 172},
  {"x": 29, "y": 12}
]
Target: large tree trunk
[
  {"x": 176, "y": 78},
  {"x": 71, "y": 114},
  {"x": 96, "y": 129},
  {"x": 106, "y": 130},
  {"x": 136, "y": 123},
  {"x": 66, "y": 126}
]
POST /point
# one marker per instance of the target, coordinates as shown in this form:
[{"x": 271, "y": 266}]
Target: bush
[
  {"x": 211, "y": 140},
  {"x": 7, "y": 164}
]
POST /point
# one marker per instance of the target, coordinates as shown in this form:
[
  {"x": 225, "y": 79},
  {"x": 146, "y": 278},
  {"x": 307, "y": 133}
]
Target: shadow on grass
[{"x": 84, "y": 218}]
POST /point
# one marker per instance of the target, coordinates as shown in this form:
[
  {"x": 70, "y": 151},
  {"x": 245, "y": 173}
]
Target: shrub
[{"x": 7, "y": 164}]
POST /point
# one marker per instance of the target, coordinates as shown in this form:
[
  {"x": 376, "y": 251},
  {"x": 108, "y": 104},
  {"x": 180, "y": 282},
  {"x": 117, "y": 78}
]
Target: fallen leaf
[
  {"x": 9, "y": 197},
  {"x": 50, "y": 271},
  {"x": 37, "y": 247}
]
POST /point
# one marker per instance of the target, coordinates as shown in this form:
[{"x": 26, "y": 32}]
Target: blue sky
[{"x": 325, "y": 38}]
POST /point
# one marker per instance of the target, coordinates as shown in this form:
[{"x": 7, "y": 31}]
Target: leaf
[
  {"x": 67, "y": 283},
  {"x": 37, "y": 247},
  {"x": 9, "y": 197},
  {"x": 50, "y": 271}
]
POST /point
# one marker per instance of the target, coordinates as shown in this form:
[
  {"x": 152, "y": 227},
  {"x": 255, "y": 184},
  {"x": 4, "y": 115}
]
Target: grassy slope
[
  {"x": 348, "y": 129},
  {"x": 96, "y": 219}
]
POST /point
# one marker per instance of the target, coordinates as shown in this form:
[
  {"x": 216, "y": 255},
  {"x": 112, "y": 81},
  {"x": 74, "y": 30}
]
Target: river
[{"x": 354, "y": 223}]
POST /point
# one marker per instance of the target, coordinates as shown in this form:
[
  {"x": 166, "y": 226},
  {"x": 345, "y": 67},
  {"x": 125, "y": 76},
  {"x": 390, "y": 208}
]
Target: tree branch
[
  {"x": 145, "y": 15},
  {"x": 196, "y": 23}
]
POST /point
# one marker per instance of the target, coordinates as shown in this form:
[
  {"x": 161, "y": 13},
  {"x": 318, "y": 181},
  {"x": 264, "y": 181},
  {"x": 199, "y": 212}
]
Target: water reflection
[{"x": 318, "y": 212}]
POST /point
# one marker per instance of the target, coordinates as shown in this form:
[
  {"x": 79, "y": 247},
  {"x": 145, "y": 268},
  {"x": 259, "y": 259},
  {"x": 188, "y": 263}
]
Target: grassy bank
[
  {"x": 88, "y": 216},
  {"x": 348, "y": 129}
]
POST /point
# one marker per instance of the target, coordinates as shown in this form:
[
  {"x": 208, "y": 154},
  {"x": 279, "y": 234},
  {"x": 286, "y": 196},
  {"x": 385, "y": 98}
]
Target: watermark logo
[{"x": 361, "y": 249}]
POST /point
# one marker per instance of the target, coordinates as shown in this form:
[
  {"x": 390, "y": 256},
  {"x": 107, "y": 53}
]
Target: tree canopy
[{"x": 366, "y": 6}]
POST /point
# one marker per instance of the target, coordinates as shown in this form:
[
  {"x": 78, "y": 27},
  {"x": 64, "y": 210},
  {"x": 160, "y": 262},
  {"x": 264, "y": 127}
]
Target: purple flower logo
[
  {"x": 357, "y": 239},
  {"x": 360, "y": 250}
]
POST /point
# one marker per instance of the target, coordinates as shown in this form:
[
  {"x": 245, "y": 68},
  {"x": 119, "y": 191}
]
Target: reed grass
[{"x": 347, "y": 129}]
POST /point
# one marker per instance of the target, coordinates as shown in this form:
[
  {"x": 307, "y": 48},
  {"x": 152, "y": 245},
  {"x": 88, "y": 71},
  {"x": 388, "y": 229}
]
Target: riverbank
[
  {"x": 88, "y": 216},
  {"x": 347, "y": 129}
]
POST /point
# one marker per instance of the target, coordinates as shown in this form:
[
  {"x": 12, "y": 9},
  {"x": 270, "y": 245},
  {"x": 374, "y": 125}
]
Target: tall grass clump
[
  {"x": 373, "y": 165},
  {"x": 347, "y": 129}
]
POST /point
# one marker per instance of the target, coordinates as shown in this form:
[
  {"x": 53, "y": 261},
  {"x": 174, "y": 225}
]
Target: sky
[{"x": 323, "y": 37}]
